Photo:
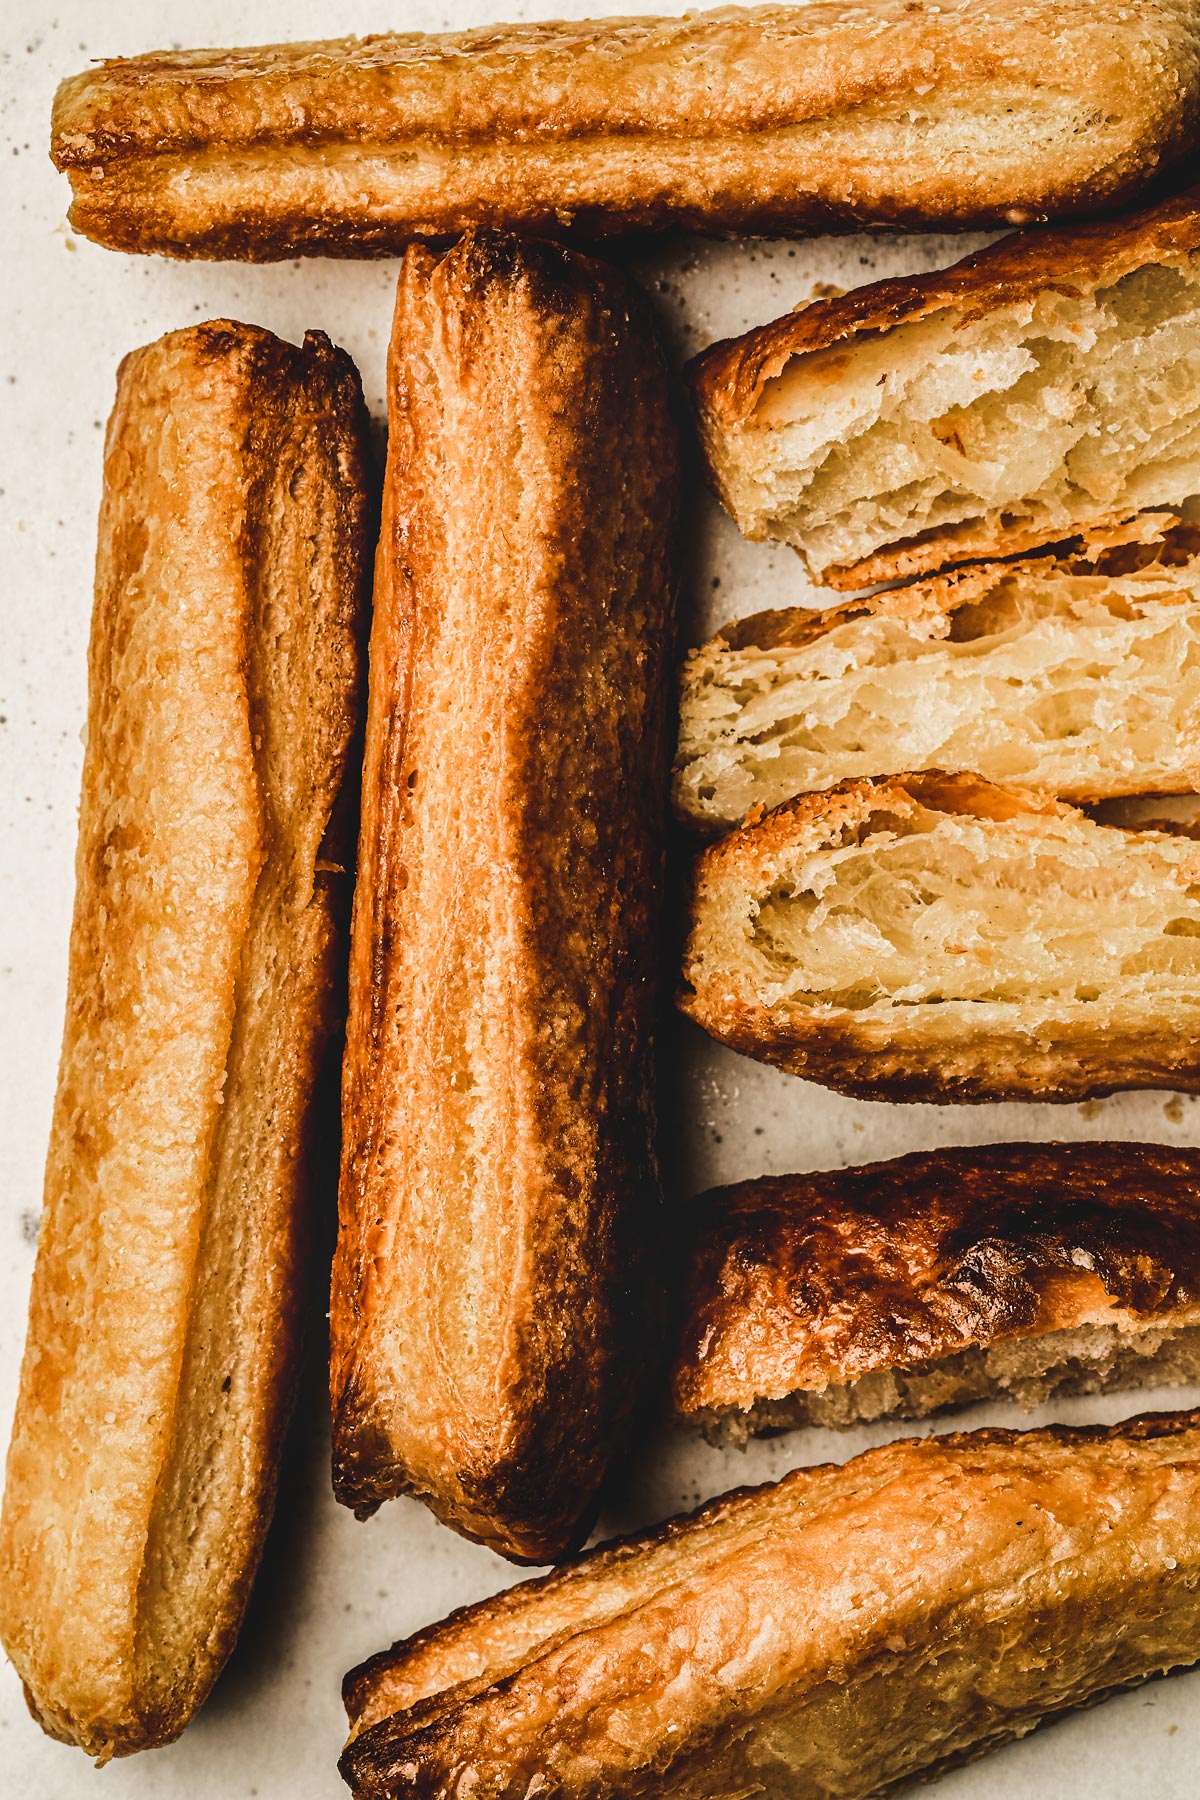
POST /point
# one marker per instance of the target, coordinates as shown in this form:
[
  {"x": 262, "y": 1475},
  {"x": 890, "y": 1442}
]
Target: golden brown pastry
[
  {"x": 498, "y": 1175},
  {"x": 829, "y": 1635},
  {"x": 212, "y": 888},
  {"x": 935, "y": 937},
  {"x": 773, "y": 118},
  {"x": 1008, "y": 1271},
  {"x": 1079, "y": 676},
  {"x": 1049, "y": 385}
]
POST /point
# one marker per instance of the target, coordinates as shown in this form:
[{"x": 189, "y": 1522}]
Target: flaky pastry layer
[
  {"x": 942, "y": 938},
  {"x": 1076, "y": 675},
  {"x": 1049, "y": 385}
]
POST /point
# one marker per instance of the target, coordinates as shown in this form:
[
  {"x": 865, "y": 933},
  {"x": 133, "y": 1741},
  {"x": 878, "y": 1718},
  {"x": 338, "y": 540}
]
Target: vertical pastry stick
[
  {"x": 211, "y": 882},
  {"x": 497, "y": 1108}
]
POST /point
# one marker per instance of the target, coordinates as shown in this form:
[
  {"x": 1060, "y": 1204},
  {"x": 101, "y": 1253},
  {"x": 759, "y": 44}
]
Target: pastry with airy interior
[
  {"x": 498, "y": 1173},
  {"x": 1046, "y": 387},
  {"x": 897, "y": 1289},
  {"x": 207, "y": 950},
  {"x": 1077, "y": 675},
  {"x": 937, "y": 937},
  {"x": 764, "y": 119},
  {"x": 840, "y": 1632}
]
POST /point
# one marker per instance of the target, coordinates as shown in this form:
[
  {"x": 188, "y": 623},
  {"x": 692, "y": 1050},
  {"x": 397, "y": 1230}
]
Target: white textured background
[{"x": 332, "y": 1590}]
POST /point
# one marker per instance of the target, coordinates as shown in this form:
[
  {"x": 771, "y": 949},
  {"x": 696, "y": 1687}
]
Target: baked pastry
[
  {"x": 212, "y": 892},
  {"x": 837, "y": 1632},
  {"x": 1080, "y": 676},
  {"x": 498, "y": 1175},
  {"x": 775, "y": 118},
  {"x": 935, "y": 937},
  {"x": 1047, "y": 386},
  {"x": 897, "y": 1289}
]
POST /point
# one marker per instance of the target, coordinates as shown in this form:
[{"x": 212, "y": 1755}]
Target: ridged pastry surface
[
  {"x": 211, "y": 893},
  {"x": 843, "y": 1630},
  {"x": 764, "y": 119},
  {"x": 498, "y": 1178}
]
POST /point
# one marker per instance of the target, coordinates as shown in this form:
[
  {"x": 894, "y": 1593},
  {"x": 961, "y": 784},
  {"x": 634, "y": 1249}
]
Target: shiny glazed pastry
[
  {"x": 1011, "y": 1271},
  {"x": 1047, "y": 386},
  {"x": 936, "y": 937},
  {"x": 830, "y": 1635},
  {"x": 212, "y": 889},
  {"x": 1077, "y": 675},
  {"x": 498, "y": 1176},
  {"x": 773, "y": 118}
]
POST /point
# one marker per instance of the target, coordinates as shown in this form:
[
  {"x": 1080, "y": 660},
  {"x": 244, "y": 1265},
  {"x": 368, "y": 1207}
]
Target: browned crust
[
  {"x": 800, "y": 1281},
  {"x": 862, "y": 1057},
  {"x": 614, "y": 1676},
  {"x": 765, "y": 119},
  {"x": 531, "y": 486},
  {"x": 204, "y": 980}
]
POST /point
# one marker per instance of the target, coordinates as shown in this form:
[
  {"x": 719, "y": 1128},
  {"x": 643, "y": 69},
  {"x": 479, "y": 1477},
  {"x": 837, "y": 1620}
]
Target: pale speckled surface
[{"x": 334, "y": 1590}]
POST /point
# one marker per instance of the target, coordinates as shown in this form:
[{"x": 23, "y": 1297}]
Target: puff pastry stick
[
  {"x": 498, "y": 1176},
  {"x": 224, "y": 677},
  {"x": 1009, "y": 1271},
  {"x": 936, "y": 937},
  {"x": 830, "y": 1635},
  {"x": 1079, "y": 676},
  {"x": 775, "y": 118},
  {"x": 1048, "y": 386}
]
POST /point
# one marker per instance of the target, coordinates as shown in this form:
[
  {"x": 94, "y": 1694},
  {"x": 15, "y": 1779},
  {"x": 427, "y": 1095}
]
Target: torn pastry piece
[
  {"x": 775, "y": 118},
  {"x": 498, "y": 1174},
  {"x": 937, "y": 937},
  {"x": 897, "y": 1289},
  {"x": 838, "y": 1632},
  {"x": 212, "y": 892},
  {"x": 1045, "y": 387},
  {"x": 1077, "y": 676}
]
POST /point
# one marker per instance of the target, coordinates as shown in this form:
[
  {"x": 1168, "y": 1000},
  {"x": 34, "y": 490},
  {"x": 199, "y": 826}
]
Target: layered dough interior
[
  {"x": 1045, "y": 415},
  {"x": 1086, "y": 1359},
  {"x": 1035, "y": 911},
  {"x": 1050, "y": 676}
]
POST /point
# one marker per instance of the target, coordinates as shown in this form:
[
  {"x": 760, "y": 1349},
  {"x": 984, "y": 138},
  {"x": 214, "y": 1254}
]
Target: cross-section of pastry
[
  {"x": 212, "y": 894},
  {"x": 1047, "y": 386},
  {"x": 837, "y": 1633},
  {"x": 937, "y": 937},
  {"x": 498, "y": 1176},
  {"x": 895, "y": 1290},
  {"x": 775, "y": 118},
  {"x": 1079, "y": 676}
]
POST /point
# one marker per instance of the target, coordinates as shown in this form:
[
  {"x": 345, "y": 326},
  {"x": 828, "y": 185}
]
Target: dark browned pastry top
[{"x": 817, "y": 1279}]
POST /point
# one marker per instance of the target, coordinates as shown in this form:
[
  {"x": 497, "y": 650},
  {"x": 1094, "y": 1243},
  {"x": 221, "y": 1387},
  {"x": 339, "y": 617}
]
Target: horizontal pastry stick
[
  {"x": 934, "y": 937},
  {"x": 498, "y": 1175},
  {"x": 775, "y": 118},
  {"x": 835, "y": 1633},
  {"x": 1048, "y": 386},
  {"x": 211, "y": 897},
  {"x": 1011, "y": 1271},
  {"x": 1080, "y": 677}
]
